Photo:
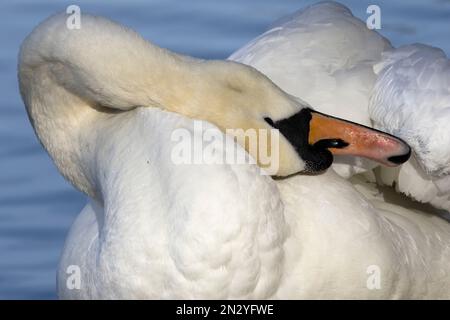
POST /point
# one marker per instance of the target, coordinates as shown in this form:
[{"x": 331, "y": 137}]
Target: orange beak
[{"x": 343, "y": 137}]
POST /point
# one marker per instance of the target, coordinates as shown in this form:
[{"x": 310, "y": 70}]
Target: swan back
[{"x": 412, "y": 100}]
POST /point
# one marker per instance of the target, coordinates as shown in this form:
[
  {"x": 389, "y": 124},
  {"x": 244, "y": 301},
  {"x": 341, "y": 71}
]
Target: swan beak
[{"x": 342, "y": 137}]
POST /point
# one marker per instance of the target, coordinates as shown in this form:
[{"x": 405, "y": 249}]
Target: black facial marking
[{"x": 296, "y": 130}]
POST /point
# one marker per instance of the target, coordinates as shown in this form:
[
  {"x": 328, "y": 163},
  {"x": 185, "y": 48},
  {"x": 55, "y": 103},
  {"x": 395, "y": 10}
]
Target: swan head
[{"x": 297, "y": 139}]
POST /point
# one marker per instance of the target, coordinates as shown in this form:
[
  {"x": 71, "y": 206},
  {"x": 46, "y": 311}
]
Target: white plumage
[
  {"x": 154, "y": 229},
  {"x": 411, "y": 99},
  {"x": 333, "y": 61},
  {"x": 324, "y": 55}
]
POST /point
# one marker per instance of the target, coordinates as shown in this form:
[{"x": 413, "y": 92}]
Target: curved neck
[{"x": 74, "y": 81}]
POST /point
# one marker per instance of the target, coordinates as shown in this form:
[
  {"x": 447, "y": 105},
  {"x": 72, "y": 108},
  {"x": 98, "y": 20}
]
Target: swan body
[
  {"x": 356, "y": 74},
  {"x": 237, "y": 234},
  {"x": 155, "y": 229}
]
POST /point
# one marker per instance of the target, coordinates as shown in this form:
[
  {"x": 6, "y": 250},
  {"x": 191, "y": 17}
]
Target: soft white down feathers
[{"x": 332, "y": 60}]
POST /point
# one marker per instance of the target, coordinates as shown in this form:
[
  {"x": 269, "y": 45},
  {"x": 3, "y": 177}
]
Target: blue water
[{"x": 36, "y": 205}]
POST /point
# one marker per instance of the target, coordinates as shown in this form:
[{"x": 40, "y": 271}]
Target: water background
[{"x": 36, "y": 205}]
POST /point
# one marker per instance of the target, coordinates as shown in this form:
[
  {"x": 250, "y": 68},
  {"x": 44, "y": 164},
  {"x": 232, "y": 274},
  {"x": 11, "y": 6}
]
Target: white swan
[
  {"x": 154, "y": 229},
  {"x": 346, "y": 64}
]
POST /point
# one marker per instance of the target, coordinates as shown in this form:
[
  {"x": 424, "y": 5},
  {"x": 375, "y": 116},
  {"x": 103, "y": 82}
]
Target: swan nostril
[
  {"x": 400, "y": 158},
  {"x": 331, "y": 143}
]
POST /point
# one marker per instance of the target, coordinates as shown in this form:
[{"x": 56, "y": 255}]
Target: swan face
[{"x": 243, "y": 98}]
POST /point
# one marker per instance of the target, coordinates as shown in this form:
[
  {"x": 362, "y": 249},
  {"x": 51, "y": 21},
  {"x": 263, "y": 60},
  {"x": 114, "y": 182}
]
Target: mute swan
[
  {"x": 104, "y": 104},
  {"x": 356, "y": 74}
]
